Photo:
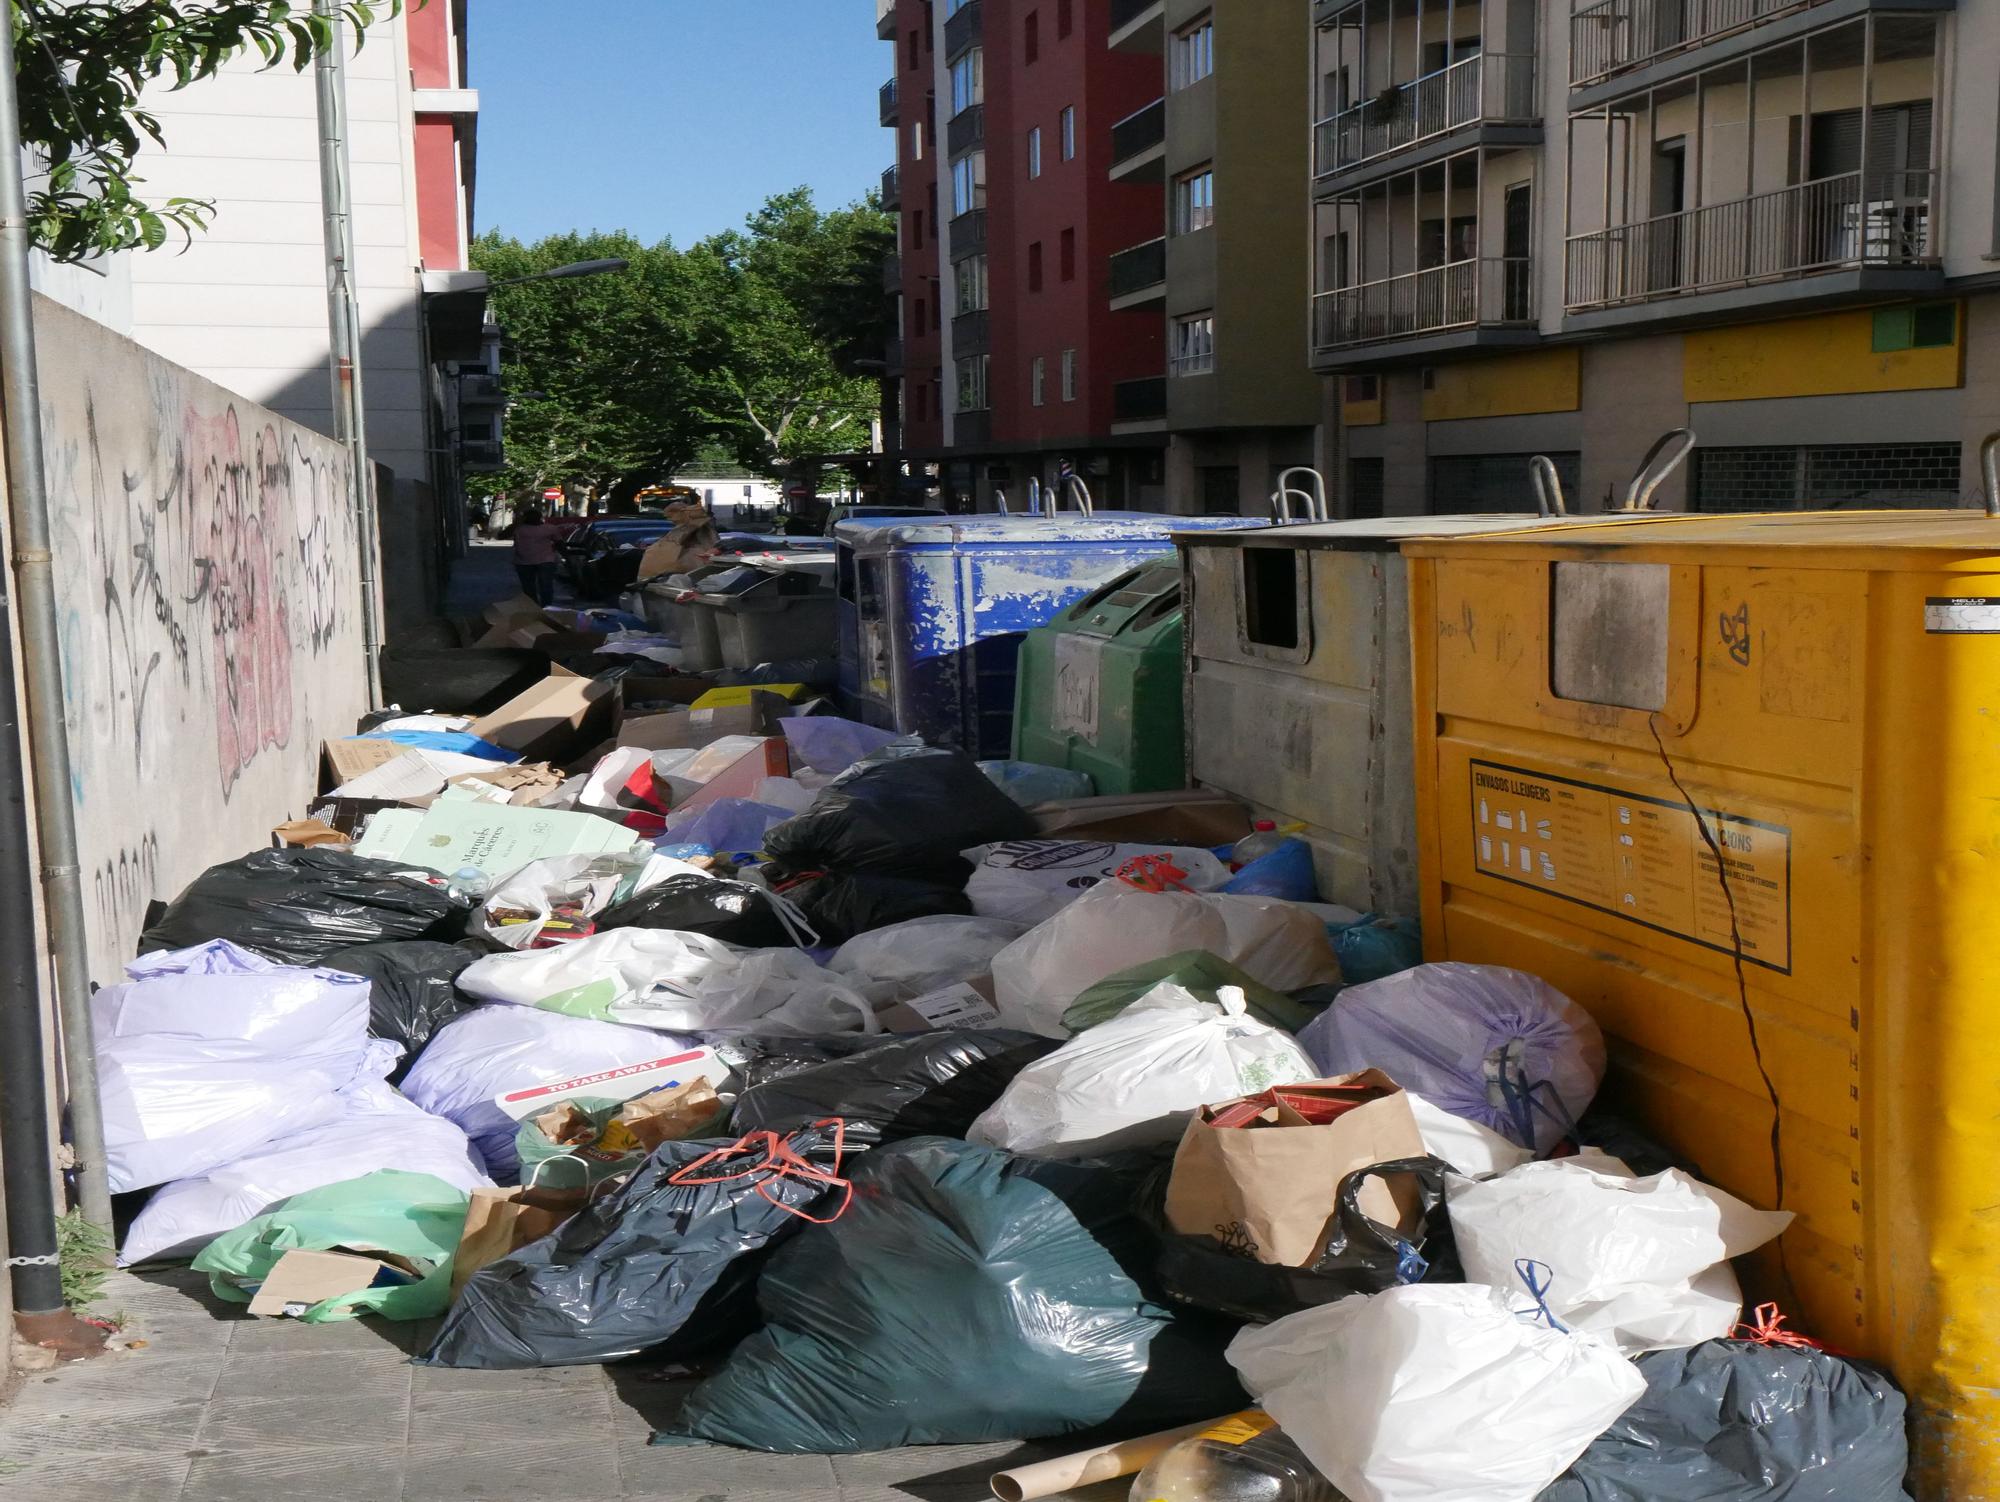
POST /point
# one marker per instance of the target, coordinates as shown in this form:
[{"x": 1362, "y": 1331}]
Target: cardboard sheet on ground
[{"x": 494, "y": 838}]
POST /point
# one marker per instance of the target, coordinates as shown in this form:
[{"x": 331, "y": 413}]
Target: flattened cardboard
[
  {"x": 301, "y": 1279},
  {"x": 552, "y": 719},
  {"x": 494, "y": 837},
  {"x": 1192, "y": 817}
]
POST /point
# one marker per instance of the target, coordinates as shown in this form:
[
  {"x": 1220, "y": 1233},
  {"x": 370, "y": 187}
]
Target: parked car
[{"x": 605, "y": 555}]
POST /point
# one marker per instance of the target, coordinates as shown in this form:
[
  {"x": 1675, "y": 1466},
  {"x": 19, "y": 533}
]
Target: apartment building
[
  {"x": 1013, "y": 358},
  {"x": 1224, "y": 262},
  {"x": 1568, "y": 227}
]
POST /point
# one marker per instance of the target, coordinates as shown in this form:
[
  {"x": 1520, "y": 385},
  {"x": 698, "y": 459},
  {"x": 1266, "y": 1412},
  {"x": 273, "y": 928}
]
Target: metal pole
[
  {"x": 343, "y": 313},
  {"x": 30, "y": 1196}
]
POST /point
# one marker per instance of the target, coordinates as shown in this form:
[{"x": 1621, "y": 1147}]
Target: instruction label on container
[
  {"x": 1962, "y": 615},
  {"x": 1079, "y": 662},
  {"x": 1639, "y": 857}
]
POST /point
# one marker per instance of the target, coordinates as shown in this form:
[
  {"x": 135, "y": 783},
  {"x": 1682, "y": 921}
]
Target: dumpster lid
[
  {"x": 1383, "y": 529},
  {"x": 1067, "y": 526},
  {"x": 1920, "y": 536},
  {"x": 1141, "y": 596}
]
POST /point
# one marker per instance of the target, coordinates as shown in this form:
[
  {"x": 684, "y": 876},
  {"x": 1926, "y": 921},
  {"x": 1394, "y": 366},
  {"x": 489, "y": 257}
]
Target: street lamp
[{"x": 563, "y": 273}]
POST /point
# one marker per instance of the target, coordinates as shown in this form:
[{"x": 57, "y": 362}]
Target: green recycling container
[{"x": 1098, "y": 689}]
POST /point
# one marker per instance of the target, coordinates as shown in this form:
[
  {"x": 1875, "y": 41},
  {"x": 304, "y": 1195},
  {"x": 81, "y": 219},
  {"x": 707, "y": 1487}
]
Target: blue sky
[{"x": 671, "y": 117}]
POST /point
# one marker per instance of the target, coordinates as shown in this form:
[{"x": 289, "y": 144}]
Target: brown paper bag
[
  {"x": 1267, "y": 1189},
  {"x": 502, "y": 1221},
  {"x": 668, "y": 1115}
]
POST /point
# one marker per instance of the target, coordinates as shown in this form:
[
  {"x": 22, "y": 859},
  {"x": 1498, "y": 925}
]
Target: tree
[{"x": 81, "y": 67}]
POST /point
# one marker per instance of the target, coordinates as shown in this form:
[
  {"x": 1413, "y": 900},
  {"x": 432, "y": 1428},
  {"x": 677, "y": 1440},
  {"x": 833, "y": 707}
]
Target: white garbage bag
[
  {"x": 1500, "y": 1047},
  {"x": 591, "y": 882},
  {"x": 1026, "y": 881},
  {"x": 492, "y": 1050},
  {"x": 206, "y": 1053},
  {"x": 680, "y": 982},
  {"x": 1642, "y": 1262},
  {"x": 1435, "y": 1392},
  {"x": 1467, "y": 1146},
  {"x": 912, "y": 959},
  {"x": 1115, "y": 925},
  {"x": 1136, "y": 1079},
  {"x": 376, "y": 1128}
]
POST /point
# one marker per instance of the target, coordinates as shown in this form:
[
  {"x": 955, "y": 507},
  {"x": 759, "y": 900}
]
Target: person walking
[{"x": 535, "y": 539}]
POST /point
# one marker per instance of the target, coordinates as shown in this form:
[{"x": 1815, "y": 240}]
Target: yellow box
[
  {"x": 723, "y": 698},
  {"x": 1826, "y": 689}
]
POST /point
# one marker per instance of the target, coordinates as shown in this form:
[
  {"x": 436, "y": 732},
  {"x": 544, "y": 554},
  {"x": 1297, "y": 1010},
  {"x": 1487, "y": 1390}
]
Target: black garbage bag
[
  {"x": 967, "y": 1295},
  {"x": 1359, "y": 1255},
  {"x": 903, "y": 815},
  {"x": 759, "y": 1058},
  {"x": 841, "y": 905},
  {"x": 914, "y": 1085},
  {"x": 1734, "y": 1421},
  {"x": 657, "y": 1265},
  {"x": 410, "y": 993},
  {"x": 733, "y": 911},
  {"x": 299, "y": 906}
]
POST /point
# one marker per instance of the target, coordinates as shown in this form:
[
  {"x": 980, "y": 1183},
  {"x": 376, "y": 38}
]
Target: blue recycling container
[{"x": 932, "y": 614}]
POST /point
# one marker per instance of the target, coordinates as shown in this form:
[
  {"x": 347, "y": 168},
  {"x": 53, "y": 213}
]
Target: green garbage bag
[
  {"x": 410, "y": 1215},
  {"x": 1200, "y": 972}
]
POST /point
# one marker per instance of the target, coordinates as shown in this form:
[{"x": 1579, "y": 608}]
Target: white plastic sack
[
  {"x": 1496, "y": 1046},
  {"x": 599, "y": 880},
  {"x": 1136, "y": 1079},
  {"x": 1467, "y": 1146},
  {"x": 907, "y": 960},
  {"x": 1115, "y": 925},
  {"x": 491, "y": 1050},
  {"x": 1026, "y": 881},
  {"x": 680, "y": 982},
  {"x": 206, "y": 1053},
  {"x": 1435, "y": 1392},
  {"x": 1625, "y": 1253},
  {"x": 375, "y": 1129}
]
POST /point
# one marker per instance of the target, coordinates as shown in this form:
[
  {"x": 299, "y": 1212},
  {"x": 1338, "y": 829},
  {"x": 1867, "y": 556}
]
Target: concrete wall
[{"x": 208, "y": 578}]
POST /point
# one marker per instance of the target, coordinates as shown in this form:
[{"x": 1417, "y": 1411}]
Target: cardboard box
[
  {"x": 553, "y": 719},
  {"x": 645, "y": 693},
  {"x": 967, "y": 1004},
  {"x": 520, "y": 784},
  {"x": 303, "y": 834},
  {"x": 742, "y": 693},
  {"x": 494, "y": 837},
  {"x": 1191, "y": 817},
  {"x": 623, "y": 1083},
  {"x": 680, "y": 728},
  {"x": 343, "y": 760},
  {"x": 301, "y": 1279}
]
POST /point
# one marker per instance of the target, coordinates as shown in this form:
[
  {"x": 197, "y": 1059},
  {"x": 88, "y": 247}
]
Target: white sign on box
[{"x": 618, "y": 1084}]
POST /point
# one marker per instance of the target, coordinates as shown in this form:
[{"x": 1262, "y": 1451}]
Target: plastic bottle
[
  {"x": 1263, "y": 839},
  {"x": 469, "y": 885},
  {"x": 1244, "y": 1458}
]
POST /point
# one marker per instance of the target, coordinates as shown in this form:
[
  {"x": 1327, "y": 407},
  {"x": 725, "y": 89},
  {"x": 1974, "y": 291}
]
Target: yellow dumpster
[{"x": 1733, "y": 783}]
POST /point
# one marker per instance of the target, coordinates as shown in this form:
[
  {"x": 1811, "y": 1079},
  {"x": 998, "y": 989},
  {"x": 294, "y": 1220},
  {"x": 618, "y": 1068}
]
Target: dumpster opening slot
[
  {"x": 1608, "y": 633},
  {"x": 1271, "y": 597}
]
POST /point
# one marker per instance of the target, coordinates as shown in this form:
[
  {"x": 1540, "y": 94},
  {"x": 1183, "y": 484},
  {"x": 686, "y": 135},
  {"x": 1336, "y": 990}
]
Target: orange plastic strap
[
  {"x": 776, "y": 1160},
  {"x": 1767, "y": 1328},
  {"x": 1153, "y": 873}
]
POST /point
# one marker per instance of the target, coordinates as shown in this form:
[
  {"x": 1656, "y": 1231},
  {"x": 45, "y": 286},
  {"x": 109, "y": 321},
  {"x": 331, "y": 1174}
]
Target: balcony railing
[
  {"x": 961, "y": 29},
  {"x": 965, "y": 131},
  {"x": 1143, "y": 400},
  {"x": 892, "y": 274},
  {"x": 1125, "y": 12},
  {"x": 1496, "y": 86},
  {"x": 892, "y": 187},
  {"x": 1139, "y": 132},
  {"x": 1497, "y": 291},
  {"x": 1139, "y": 268},
  {"x": 1608, "y": 35},
  {"x": 892, "y": 355},
  {"x": 968, "y": 234},
  {"x": 885, "y": 19},
  {"x": 1825, "y": 225},
  {"x": 970, "y": 333},
  {"x": 888, "y": 101},
  {"x": 1195, "y": 362},
  {"x": 480, "y": 388}
]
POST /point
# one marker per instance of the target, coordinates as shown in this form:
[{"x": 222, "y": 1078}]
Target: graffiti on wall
[{"x": 208, "y": 582}]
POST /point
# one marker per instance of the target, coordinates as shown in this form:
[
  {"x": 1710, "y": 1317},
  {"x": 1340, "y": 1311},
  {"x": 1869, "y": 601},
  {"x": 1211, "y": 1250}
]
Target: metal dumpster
[
  {"x": 932, "y": 613},
  {"x": 777, "y": 618},
  {"x": 1728, "y": 782},
  {"x": 1098, "y": 689}
]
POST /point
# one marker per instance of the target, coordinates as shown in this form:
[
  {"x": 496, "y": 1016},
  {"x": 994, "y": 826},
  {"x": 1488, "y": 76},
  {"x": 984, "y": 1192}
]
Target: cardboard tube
[{"x": 1045, "y": 1478}]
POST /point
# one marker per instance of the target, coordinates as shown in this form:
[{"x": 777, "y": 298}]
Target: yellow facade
[
  {"x": 1829, "y": 354},
  {"x": 1822, "y": 688},
  {"x": 1542, "y": 380}
]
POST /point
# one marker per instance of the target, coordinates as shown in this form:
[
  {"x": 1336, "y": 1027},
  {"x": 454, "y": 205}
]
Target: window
[
  {"x": 1035, "y": 266},
  {"x": 1031, "y": 37},
  {"x": 920, "y": 315},
  {"x": 1035, "y": 152},
  {"x": 1931, "y": 325},
  {"x": 937, "y": 314},
  {"x": 1064, "y": 18},
  {"x": 968, "y": 81},
  {"x": 968, "y": 183},
  {"x": 916, "y": 140},
  {"x": 1069, "y": 375},
  {"x": 972, "y": 383},
  {"x": 1193, "y": 350},
  {"x": 1194, "y": 201},
  {"x": 916, "y": 49},
  {"x": 1037, "y": 380},
  {"x": 971, "y": 275},
  {"x": 1068, "y": 255},
  {"x": 1069, "y": 133},
  {"x": 953, "y": 7},
  {"x": 1193, "y": 54}
]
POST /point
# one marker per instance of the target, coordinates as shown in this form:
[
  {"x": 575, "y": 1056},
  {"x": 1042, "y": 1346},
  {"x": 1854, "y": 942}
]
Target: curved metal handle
[
  {"x": 1281, "y": 506},
  {"x": 1314, "y": 492},
  {"x": 1989, "y": 467},
  {"x": 1656, "y": 466},
  {"x": 1074, "y": 488},
  {"x": 1034, "y": 495},
  {"x": 1548, "y": 486},
  {"x": 1000, "y": 500}
]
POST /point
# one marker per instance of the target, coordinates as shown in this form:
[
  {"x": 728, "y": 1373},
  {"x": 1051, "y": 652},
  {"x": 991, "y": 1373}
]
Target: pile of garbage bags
[{"x": 914, "y": 1109}]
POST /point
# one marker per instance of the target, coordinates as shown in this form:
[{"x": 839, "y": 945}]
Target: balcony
[
  {"x": 1139, "y": 144},
  {"x": 968, "y": 234},
  {"x": 1610, "y": 36},
  {"x": 892, "y": 188},
  {"x": 885, "y": 20},
  {"x": 961, "y": 30},
  {"x": 1143, "y": 400},
  {"x": 480, "y": 388},
  {"x": 892, "y": 356},
  {"x": 1783, "y": 235},
  {"x": 1494, "y": 88},
  {"x": 972, "y": 428},
  {"x": 965, "y": 131},
  {"x": 970, "y": 334},
  {"x": 892, "y": 274},
  {"x": 1139, "y": 275},
  {"x": 481, "y": 455},
  {"x": 1493, "y": 293},
  {"x": 888, "y": 102},
  {"x": 1138, "y": 26}
]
